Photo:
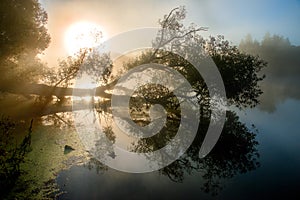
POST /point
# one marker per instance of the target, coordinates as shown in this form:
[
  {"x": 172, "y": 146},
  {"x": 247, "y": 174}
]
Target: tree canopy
[
  {"x": 23, "y": 36},
  {"x": 239, "y": 70},
  {"x": 22, "y": 27}
]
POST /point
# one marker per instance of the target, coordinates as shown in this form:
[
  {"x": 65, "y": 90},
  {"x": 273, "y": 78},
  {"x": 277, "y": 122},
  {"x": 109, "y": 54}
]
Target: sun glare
[{"x": 83, "y": 34}]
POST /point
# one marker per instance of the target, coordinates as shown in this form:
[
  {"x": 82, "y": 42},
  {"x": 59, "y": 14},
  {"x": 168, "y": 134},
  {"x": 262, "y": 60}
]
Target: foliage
[
  {"x": 23, "y": 36},
  {"x": 236, "y": 151},
  {"x": 282, "y": 81},
  {"x": 86, "y": 62},
  {"x": 240, "y": 71},
  {"x": 22, "y": 25}
]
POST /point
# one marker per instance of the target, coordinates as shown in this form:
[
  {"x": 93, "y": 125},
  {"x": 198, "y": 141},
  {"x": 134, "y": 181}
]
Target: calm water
[{"x": 276, "y": 177}]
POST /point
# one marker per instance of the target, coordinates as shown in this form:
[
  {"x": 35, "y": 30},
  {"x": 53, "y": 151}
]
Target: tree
[
  {"x": 239, "y": 70},
  {"x": 22, "y": 26},
  {"x": 282, "y": 72},
  {"x": 19, "y": 62},
  {"x": 236, "y": 150},
  {"x": 23, "y": 36}
]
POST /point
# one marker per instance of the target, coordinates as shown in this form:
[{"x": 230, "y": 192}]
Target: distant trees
[{"x": 282, "y": 72}]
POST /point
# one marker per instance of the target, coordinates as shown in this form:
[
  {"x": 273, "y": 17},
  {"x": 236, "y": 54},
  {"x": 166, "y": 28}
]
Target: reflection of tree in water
[
  {"x": 140, "y": 103},
  {"x": 104, "y": 142},
  {"x": 59, "y": 120},
  {"x": 94, "y": 164},
  {"x": 234, "y": 153}
]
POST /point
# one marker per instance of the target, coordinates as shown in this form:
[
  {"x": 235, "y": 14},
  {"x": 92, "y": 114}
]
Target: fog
[{"x": 283, "y": 71}]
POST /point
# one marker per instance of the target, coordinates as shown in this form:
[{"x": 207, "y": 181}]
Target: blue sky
[
  {"x": 236, "y": 18},
  {"x": 233, "y": 18}
]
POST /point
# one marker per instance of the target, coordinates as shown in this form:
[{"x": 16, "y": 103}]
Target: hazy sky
[{"x": 234, "y": 19}]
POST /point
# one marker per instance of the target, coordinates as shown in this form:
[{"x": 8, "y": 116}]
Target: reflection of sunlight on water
[
  {"x": 60, "y": 120},
  {"x": 122, "y": 139},
  {"x": 86, "y": 82},
  {"x": 85, "y": 99},
  {"x": 91, "y": 125}
]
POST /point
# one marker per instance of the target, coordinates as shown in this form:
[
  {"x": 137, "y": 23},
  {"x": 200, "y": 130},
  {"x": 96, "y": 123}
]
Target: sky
[{"x": 234, "y": 19}]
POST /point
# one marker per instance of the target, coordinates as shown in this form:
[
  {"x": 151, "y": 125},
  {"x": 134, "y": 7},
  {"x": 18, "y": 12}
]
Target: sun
[{"x": 83, "y": 34}]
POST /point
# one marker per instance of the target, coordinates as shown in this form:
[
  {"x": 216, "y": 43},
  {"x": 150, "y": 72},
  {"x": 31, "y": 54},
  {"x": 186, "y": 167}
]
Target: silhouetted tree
[
  {"x": 236, "y": 150},
  {"x": 239, "y": 70},
  {"x": 23, "y": 36}
]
